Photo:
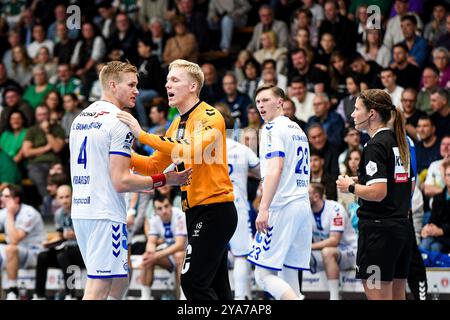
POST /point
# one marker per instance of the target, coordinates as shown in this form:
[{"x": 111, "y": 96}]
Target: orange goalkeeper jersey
[{"x": 198, "y": 140}]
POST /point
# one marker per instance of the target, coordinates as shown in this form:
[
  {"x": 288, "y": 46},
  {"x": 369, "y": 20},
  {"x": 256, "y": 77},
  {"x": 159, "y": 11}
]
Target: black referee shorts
[
  {"x": 205, "y": 271},
  {"x": 384, "y": 249}
]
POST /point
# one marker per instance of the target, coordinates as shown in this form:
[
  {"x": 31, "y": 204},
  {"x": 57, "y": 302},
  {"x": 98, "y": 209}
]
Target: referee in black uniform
[{"x": 384, "y": 186}]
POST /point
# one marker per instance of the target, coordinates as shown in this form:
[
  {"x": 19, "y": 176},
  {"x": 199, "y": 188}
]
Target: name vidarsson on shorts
[{"x": 225, "y": 309}]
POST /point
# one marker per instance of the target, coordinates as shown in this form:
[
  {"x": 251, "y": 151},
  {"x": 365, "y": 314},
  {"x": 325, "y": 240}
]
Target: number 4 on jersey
[{"x": 82, "y": 156}]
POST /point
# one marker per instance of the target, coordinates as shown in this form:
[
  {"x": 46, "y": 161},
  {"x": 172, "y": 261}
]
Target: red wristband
[{"x": 158, "y": 180}]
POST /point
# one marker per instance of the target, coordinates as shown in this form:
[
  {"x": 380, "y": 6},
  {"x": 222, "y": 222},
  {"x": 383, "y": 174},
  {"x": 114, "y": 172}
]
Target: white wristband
[{"x": 131, "y": 212}]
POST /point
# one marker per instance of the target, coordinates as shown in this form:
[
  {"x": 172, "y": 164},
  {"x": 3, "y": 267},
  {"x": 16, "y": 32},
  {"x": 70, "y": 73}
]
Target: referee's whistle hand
[
  {"x": 174, "y": 178},
  {"x": 130, "y": 121}
]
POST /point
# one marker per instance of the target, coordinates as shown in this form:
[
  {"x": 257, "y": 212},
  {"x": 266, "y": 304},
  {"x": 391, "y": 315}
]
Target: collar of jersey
[
  {"x": 381, "y": 129},
  {"x": 185, "y": 116}
]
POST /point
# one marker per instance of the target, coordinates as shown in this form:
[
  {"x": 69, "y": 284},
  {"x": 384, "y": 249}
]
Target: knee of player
[
  {"x": 329, "y": 253},
  {"x": 11, "y": 250}
]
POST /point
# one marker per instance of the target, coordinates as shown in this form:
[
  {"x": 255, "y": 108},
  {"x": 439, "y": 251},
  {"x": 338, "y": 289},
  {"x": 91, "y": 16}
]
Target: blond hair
[
  {"x": 193, "y": 69},
  {"x": 113, "y": 71}
]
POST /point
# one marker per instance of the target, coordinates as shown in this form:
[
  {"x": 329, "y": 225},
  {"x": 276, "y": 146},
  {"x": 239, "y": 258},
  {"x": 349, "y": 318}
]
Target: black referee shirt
[{"x": 381, "y": 162}]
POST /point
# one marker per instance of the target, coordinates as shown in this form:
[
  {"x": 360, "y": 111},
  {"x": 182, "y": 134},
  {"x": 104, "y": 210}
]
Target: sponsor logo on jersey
[
  {"x": 101, "y": 113},
  {"x": 78, "y": 201},
  {"x": 81, "y": 179},
  {"x": 400, "y": 174},
  {"x": 337, "y": 221}
]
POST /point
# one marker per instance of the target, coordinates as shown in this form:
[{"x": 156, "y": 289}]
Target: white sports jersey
[
  {"x": 168, "y": 231},
  {"x": 333, "y": 218},
  {"x": 282, "y": 137},
  {"x": 240, "y": 159},
  {"x": 96, "y": 133},
  {"x": 29, "y": 220}
]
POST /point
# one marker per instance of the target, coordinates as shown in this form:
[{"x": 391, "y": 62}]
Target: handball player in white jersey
[
  {"x": 100, "y": 151},
  {"x": 282, "y": 245},
  {"x": 241, "y": 161}
]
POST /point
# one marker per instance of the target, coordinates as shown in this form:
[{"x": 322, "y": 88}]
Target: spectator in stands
[
  {"x": 316, "y": 79},
  {"x": 25, "y": 233},
  {"x": 394, "y": 33},
  {"x": 41, "y": 147},
  {"x": 61, "y": 251},
  {"x": 428, "y": 146},
  {"x": 26, "y": 23},
  {"x": 319, "y": 141},
  {"x": 289, "y": 111},
  {"x": 50, "y": 204},
  {"x": 167, "y": 239},
  {"x": 319, "y": 175},
  {"x": 64, "y": 46},
  {"x": 13, "y": 41},
  {"x": 72, "y": 109},
  {"x": 267, "y": 22},
  {"x": 270, "y": 65},
  {"x": 105, "y": 20},
  {"x": 441, "y": 112},
  {"x": 430, "y": 79},
  {"x": 45, "y": 60},
  {"x": 147, "y": 11},
  {"x": 35, "y": 93},
  {"x": 334, "y": 239},
  {"x": 250, "y": 135},
  {"x": 66, "y": 82},
  {"x": 61, "y": 17},
  {"x": 347, "y": 105},
  {"x": 434, "y": 182},
  {"x": 125, "y": 37},
  {"x": 361, "y": 16},
  {"x": 436, "y": 27},
  {"x": 89, "y": 50},
  {"x": 444, "y": 40},
  {"x": 417, "y": 45},
  {"x": 159, "y": 37},
  {"x": 367, "y": 71},
  {"x": 151, "y": 81},
  {"x": 227, "y": 15},
  {"x": 389, "y": 79},
  {"x": 183, "y": 45},
  {"x": 343, "y": 30},
  {"x": 436, "y": 233},
  {"x": 252, "y": 73},
  {"x": 348, "y": 200},
  {"x": 338, "y": 70},
  {"x": 352, "y": 138},
  {"x": 21, "y": 66},
  {"x": 13, "y": 102},
  {"x": 323, "y": 52},
  {"x": 302, "y": 98},
  {"x": 271, "y": 50},
  {"x": 303, "y": 40},
  {"x": 159, "y": 123},
  {"x": 39, "y": 41},
  {"x": 12, "y": 138},
  {"x": 196, "y": 23},
  {"x": 331, "y": 122},
  {"x": 236, "y": 101},
  {"x": 303, "y": 21},
  {"x": 374, "y": 49},
  {"x": 212, "y": 90},
  {"x": 408, "y": 74},
  {"x": 441, "y": 61},
  {"x": 411, "y": 114}
]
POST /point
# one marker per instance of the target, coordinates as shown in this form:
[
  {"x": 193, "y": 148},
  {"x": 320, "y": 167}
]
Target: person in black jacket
[{"x": 436, "y": 233}]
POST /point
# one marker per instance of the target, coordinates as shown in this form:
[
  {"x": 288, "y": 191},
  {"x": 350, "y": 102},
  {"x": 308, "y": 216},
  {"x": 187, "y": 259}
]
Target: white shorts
[
  {"x": 241, "y": 242},
  {"x": 27, "y": 256},
  {"x": 288, "y": 241},
  {"x": 103, "y": 245},
  {"x": 346, "y": 259}
]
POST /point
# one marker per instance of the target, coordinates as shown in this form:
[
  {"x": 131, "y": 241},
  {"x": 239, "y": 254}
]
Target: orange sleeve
[
  {"x": 150, "y": 165},
  {"x": 206, "y": 133}
]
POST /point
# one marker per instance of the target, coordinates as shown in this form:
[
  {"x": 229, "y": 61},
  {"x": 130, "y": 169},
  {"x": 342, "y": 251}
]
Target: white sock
[
  {"x": 111, "y": 298},
  {"x": 333, "y": 285},
  {"x": 241, "y": 275},
  {"x": 11, "y": 283},
  {"x": 146, "y": 292},
  {"x": 291, "y": 277}
]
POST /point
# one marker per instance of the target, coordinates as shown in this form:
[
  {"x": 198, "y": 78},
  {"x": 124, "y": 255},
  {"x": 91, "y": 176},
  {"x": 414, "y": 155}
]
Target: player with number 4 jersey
[{"x": 284, "y": 223}]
